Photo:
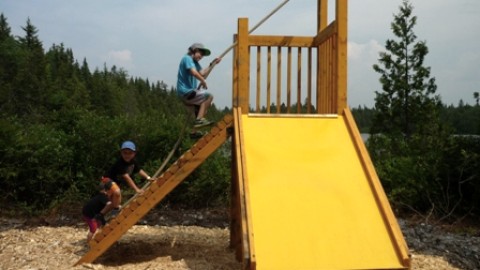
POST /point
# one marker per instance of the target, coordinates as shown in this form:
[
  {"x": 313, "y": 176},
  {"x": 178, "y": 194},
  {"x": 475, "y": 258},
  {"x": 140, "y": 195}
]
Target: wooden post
[
  {"x": 243, "y": 63},
  {"x": 342, "y": 22},
  {"x": 235, "y": 74},
  {"x": 322, "y": 16}
]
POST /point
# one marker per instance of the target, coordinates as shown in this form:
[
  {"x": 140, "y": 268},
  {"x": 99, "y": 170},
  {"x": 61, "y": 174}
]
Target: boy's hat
[
  {"x": 201, "y": 47},
  {"x": 128, "y": 145}
]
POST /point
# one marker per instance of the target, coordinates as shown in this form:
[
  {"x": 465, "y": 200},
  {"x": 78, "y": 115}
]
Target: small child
[{"x": 93, "y": 208}]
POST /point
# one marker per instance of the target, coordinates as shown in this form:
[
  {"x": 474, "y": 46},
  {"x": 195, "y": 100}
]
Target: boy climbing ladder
[{"x": 189, "y": 73}]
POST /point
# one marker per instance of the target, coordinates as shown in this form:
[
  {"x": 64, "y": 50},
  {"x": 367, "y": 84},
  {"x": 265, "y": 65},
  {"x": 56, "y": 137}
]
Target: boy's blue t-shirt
[{"x": 186, "y": 82}]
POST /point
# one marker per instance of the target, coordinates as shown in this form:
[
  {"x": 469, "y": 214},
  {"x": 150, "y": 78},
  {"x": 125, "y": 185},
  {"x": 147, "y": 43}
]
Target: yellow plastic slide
[{"x": 312, "y": 203}]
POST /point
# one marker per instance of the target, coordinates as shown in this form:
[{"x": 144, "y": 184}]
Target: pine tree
[
  {"x": 8, "y": 64},
  {"x": 407, "y": 103},
  {"x": 4, "y": 28},
  {"x": 29, "y": 89},
  {"x": 408, "y": 139}
]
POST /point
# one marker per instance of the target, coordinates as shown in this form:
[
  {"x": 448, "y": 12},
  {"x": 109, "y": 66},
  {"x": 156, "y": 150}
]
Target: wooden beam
[
  {"x": 280, "y": 41},
  {"x": 243, "y": 63},
  {"x": 342, "y": 22},
  {"x": 247, "y": 246},
  {"x": 379, "y": 194}
]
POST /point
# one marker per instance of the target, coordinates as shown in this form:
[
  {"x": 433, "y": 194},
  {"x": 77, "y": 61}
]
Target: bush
[
  {"x": 442, "y": 180},
  {"x": 36, "y": 164}
]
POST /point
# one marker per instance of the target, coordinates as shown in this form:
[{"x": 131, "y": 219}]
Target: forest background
[{"x": 61, "y": 126}]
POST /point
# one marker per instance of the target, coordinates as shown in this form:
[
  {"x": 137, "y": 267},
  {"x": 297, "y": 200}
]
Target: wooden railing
[{"x": 291, "y": 74}]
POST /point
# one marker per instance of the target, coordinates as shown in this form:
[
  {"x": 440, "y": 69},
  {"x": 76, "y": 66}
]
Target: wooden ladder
[{"x": 140, "y": 205}]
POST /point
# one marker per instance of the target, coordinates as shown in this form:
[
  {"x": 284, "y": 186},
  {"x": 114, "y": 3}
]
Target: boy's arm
[
  {"x": 131, "y": 183},
  {"x": 115, "y": 200},
  {"x": 206, "y": 71},
  {"x": 108, "y": 207},
  {"x": 199, "y": 77},
  {"x": 144, "y": 175}
]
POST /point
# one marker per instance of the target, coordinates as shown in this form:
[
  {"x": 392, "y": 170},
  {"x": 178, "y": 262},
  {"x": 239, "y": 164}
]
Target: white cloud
[
  {"x": 364, "y": 51},
  {"x": 121, "y": 58},
  {"x": 362, "y": 79}
]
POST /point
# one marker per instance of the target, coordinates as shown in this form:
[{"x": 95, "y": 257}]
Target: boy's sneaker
[
  {"x": 196, "y": 135},
  {"x": 201, "y": 123}
]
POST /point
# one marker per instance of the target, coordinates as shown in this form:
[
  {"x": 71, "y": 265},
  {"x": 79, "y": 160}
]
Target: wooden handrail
[{"x": 311, "y": 85}]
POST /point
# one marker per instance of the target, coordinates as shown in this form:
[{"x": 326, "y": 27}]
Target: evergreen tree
[
  {"x": 66, "y": 89},
  {"x": 29, "y": 89},
  {"x": 8, "y": 65},
  {"x": 61, "y": 125},
  {"x": 408, "y": 137},
  {"x": 407, "y": 103},
  {"x": 4, "y": 28}
]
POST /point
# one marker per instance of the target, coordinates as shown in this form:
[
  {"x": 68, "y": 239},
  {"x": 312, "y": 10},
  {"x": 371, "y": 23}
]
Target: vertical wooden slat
[
  {"x": 259, "y": 67},
  {"x": 325, "y": 78},
  {"x": 334, "y": 85},
  {"x": 322, "y": 79},
  {"x": 330, "y": 75},
  {"x": 309, "y": 81},
  {"x": 269, "y": 76},
  {"x": 289, "y": 79},
  {"x": 279, "y": 78},
  {"x": 299, "y": 80}
]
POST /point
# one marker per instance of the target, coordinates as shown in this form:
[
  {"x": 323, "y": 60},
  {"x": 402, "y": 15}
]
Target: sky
[{"x": 147, "y": 38}]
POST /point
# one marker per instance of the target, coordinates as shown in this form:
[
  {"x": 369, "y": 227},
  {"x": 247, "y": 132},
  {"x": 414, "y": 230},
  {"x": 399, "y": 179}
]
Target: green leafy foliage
[{"x": 62, "y": 126}]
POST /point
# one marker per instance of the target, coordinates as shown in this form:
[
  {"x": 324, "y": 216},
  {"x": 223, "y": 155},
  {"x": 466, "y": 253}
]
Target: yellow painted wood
[
  {"x": 312, "y": 206},
  {"x": 378, "y": 192}
]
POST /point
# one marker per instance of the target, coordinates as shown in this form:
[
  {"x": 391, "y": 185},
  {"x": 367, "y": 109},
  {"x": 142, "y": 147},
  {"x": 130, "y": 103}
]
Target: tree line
[
  {"x": 463, "y": 119},
  {"x": 62, "y": 123}
]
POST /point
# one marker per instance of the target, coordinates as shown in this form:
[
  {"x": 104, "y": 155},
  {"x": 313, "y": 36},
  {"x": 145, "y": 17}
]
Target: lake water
[{"x": 365, "y": 136}]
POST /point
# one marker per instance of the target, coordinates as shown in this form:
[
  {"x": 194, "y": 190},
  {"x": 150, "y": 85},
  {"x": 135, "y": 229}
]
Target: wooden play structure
[{"x": 305, "y": 194}]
